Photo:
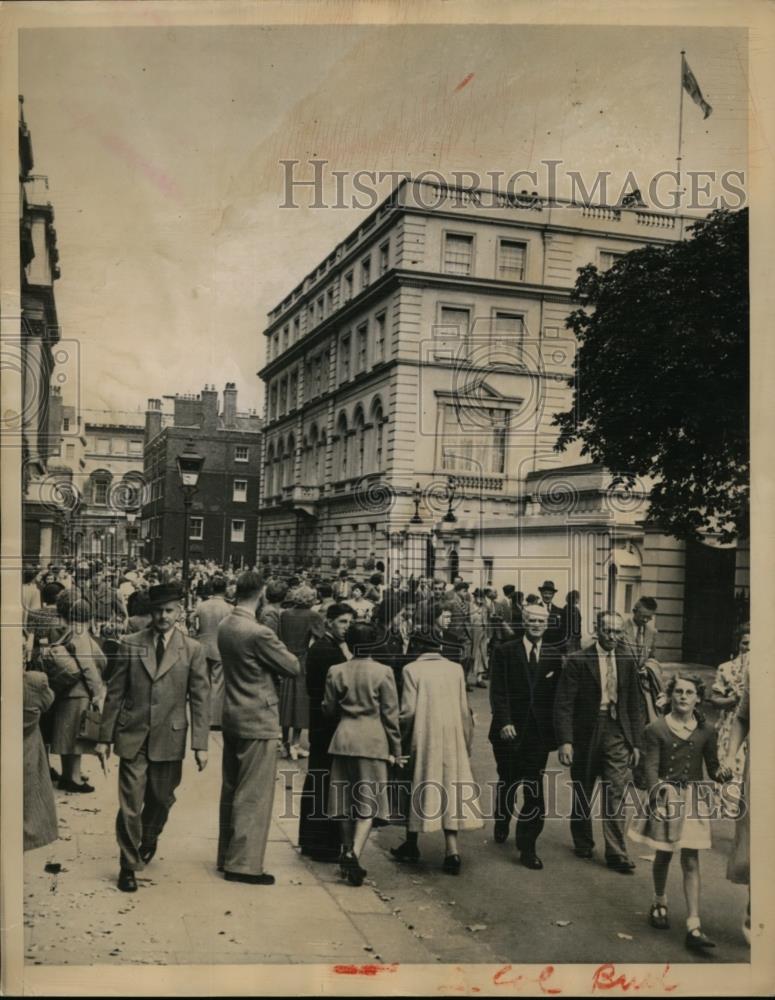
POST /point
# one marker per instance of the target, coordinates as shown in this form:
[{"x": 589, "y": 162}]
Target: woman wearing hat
[
  {"x": 89, "y": 661},
  {"x": 299, "y": 625}
]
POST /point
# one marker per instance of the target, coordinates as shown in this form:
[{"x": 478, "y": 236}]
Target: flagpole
[{"x": 680, "y": 131}]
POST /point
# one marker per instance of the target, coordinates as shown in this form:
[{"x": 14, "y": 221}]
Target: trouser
[
  {"x": 521, "y": 765},
  {"x": 215, "y": 674},
  {"x": 607, "y": 757},
  {"x": 146, "y": 793},
  {"x": 247, "y": 796}
]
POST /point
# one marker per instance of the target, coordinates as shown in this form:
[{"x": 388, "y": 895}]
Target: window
[
  {"x": 330, "y": 301},
  {"x": 379, "y": 338},
  {"x": 348, "y": 286},
  {"x": 344, "y": 359},
  {"x": 321, "y": 312},
  {"x": 273, "y": 402},
  {"x": 296, "y": 328},
  {"x": 65, "y": 423},
  {"x": 240, "y": 491},
  {"x": 103, "y": 445},
  {"x": 238, "y": 531},
  {"x": 70, "y": 451},
  {"x": 363, "y": 347},
  {"x": 197, "y": 529},
  {"x": 135, "y": 447},
  {"x": 511, "y": 260},
  {"x": 241, "y": 453},
  {"x": 286, "y": 336},
  {"x": 454, "y": 321},
  {"x": 293, "y": 390},
  {"x": 365, "y": 272},
  {"x": 101, "y": 493},
  {"x": 509, "y": 328},
  {"x": 283, "y": 396},
  {"x": 609, "y": 257},
  {"x": 472, "y": 436},
  {"x": 119, "y": 446},
  {"x": 458, "y": 253},
  {"x": 384, "y": 257}
]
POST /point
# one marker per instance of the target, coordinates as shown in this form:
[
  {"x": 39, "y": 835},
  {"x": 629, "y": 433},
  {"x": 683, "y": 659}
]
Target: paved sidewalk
[{"x": 184, "y": 912}]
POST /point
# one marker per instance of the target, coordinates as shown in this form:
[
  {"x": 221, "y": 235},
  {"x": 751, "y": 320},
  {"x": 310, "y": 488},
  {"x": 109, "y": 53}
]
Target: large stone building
[
  {"x": 38, "y": 336},
  {"x": 418, "y": 369},
  {"x": 224, "y": 510}
]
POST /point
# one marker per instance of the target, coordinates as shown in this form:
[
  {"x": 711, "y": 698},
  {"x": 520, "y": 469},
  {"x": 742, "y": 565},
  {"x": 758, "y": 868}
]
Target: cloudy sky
[{"x": 162, "y": 147}]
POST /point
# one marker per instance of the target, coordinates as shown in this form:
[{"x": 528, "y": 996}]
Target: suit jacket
[
  {"x": 577, "y": 703},
  {"x": 630, "y": 641},
  {"x": 362, "y": 694},
  {"x": 252, "y": 657},
  {"x": 146, "y": 703},
  {"x": 521, "y": 699},
  {"x": 210, "y": 614},
  {"x": 555, "y": 632}
]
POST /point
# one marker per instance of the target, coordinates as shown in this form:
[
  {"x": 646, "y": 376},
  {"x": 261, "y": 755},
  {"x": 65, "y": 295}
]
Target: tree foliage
[{"x": 661, "y": 375}]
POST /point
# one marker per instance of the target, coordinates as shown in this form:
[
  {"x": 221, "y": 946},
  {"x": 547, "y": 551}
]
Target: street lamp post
[
  {"x": 416, "y": 498},
  {"x": 189, "y": 469},
  {"x": 449, "y": 517}
]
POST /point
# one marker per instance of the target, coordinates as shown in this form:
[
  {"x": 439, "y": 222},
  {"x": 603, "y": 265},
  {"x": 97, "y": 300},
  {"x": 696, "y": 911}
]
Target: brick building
[{"x": 224, "y": 511}]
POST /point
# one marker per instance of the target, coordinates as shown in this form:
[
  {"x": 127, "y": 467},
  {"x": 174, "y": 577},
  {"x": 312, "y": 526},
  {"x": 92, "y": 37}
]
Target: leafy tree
[{"x": 661, "y": 375}]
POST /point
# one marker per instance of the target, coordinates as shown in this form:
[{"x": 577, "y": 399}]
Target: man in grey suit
[
  {"x": 252, "y": 657},
  {"x": 210, "y": 614},
  {"x": 157, "y": 671}
]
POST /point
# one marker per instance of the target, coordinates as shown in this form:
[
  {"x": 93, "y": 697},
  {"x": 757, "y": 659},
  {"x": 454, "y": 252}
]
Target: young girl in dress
[{"x": 679, "y": 815}]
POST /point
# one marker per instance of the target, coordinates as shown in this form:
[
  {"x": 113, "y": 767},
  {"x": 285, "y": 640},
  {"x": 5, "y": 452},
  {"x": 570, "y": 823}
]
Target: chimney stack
[
  {"x": 209, "y": 408},
  {"x": 230, "y": 405},
  {"x": 152, "y": 419}
]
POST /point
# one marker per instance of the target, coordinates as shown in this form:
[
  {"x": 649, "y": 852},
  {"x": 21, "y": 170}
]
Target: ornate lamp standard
[
  {"x": 449, "y": 517},
  {"x": 189, "y": 469},
  {"x": 416, "y": 498}
]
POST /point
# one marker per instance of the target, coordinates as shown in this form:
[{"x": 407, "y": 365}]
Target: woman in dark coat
[
  {"x": 40, "y": 816},
  {"x": 571, "y": 623},
  {"x": 319, "y": 835},
  {"x": 299, "y": 625}
]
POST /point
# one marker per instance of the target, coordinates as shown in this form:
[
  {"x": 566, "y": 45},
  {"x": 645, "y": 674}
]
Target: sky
[{"x": 163, "y": 146}]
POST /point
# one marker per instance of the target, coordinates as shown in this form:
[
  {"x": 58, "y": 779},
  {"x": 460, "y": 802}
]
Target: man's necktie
[
  {"x": 533, "y": 661},
  {"x": 610, "y": 685},
  {"x": 159, "y": 650},
  {"x": 641, "y": 640}
]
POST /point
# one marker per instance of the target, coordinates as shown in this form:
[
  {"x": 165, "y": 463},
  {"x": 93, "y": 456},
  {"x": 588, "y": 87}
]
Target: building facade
[
  {"x": 223, "y": 521},
  {"x": 35, "y": 349},
  {"x": 415, "y": 374}
]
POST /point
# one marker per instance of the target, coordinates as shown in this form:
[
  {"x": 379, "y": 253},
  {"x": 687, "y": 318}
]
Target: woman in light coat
[
  {"x": 437, "y": 730},
  {"x": 361, "y": 694},
  {"x": 40, "y": 816},
  {"x": 86, "y": 651}
]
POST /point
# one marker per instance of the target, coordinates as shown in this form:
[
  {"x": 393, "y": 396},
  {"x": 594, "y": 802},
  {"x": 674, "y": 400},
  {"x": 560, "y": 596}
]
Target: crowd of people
[{"x": 378, "y": 674}]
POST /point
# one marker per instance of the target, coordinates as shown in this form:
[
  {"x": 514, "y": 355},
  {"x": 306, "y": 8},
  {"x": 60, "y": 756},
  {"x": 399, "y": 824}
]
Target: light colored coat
[
  {"x": 362, "y": 694},
  {"x": 252, "y": 657},
  {"x": 210, "y": 614},
  {"x": 144, "y": 702},
  {"x": 437, "y": 728},
  {"x": 630, "y": 641}
]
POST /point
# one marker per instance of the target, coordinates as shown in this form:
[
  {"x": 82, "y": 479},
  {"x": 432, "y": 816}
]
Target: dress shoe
[
  {"x": 350, "y": 868},
  {"x": 501, "y": 832},
  {"x": 529, "y": 859},
  {"x": 481, "y": 684},
  {"x": 583, "y": 852},
  {"x": 623, "y": 867},
  {"x": 408, "y": 853},
  {"x": 452, "y": 864},
  {"x": 697, "y": 941},
  {"x": 71, "y": 786},
  {"x": 264, "y": 879},
  {"x": 127, "y": 881},
  {"x": 147, "y": 852},
  {"x": 54, "y": 775}
]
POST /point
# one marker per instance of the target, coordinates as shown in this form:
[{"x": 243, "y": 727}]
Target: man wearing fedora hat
[
  {"x": 554, "y": 633},
  {"x": 158, "y": 670}
]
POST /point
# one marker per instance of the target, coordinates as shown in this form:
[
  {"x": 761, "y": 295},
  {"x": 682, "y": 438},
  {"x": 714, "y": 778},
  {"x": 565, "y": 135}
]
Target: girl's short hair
[{"x": 699, "y": 685}]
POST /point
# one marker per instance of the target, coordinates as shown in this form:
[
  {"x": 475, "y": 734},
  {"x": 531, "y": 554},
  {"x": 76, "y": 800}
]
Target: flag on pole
[{"x": 692, "y": 88}]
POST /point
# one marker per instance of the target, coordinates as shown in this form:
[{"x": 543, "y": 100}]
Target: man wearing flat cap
[{"x": 158, "y": 671}]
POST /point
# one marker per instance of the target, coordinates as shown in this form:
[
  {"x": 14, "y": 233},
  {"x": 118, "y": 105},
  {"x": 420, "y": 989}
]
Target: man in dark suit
[
  {"x": 157, "y": 671},
  {"x": 554, "y": 632},
  {"x": 253, "y": 658},
  {"x": 599, "y": 725},
  {"x": 524, "y": 679}
]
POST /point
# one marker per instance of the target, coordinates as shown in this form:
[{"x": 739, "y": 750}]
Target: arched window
[
  {"x": 310, "y": 455},
  {"x": 378, "y": 420},
  {"x": 341, "y": 448},
  {"x": 269, "y": 472},
  {"x": 358, "y": 444},
  {"x": 320, "y": 460},
  {"x": 290, "y": 452}
]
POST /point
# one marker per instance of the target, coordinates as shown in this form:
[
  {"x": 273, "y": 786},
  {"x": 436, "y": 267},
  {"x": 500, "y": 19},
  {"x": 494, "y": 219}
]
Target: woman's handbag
[
  {"x": 91, "y": 716},
  {"x": 58, "y": 664}
]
